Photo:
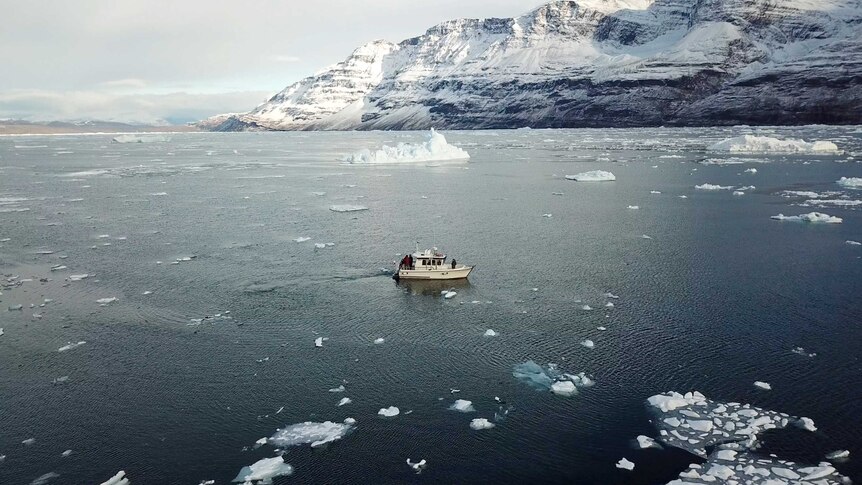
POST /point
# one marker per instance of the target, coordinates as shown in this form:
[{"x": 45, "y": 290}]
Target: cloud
[
  {"x": 286, "y": 59},
  {"x": 130, "y": 83},
  {"x": 176, "y": 107}
]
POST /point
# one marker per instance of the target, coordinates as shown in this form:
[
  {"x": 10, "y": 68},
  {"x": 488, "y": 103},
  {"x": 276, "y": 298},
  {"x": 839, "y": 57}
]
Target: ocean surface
[{"x": 218, "y": 307}]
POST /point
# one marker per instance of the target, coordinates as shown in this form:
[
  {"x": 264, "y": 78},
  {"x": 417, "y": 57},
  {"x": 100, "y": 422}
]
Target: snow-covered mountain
[{"x": 574, "y": 63}]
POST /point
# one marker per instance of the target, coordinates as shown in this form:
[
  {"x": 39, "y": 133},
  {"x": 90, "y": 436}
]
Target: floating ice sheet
[
  {"x": 118, "y": 479},
  {"x": 713, "y": 187},
  {"x": 481, "y": 423},
  {"x": 311, "y": 433},
  {"x": 850, "y": 182},
  {"x": 550, "y": 378},
  {"x": 743, "y": 467},
  {"x": 263, "y": 471},
  {"x": 347, "y": 208},
  {"x": 814, "y": 217},
  {"x": 463, "y": 405}
]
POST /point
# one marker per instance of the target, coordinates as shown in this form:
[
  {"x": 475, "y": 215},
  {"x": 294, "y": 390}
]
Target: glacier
[{"x": 591, "y": 63}]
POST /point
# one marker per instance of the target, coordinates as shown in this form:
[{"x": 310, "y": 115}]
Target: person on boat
[
  {"x": 409, "y": 261},
  {"x": 453, "y": 263},
  {"x": 404, "y": 262}
]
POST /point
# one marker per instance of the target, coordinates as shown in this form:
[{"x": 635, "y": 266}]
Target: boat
[{"x": 430, "y": 264}]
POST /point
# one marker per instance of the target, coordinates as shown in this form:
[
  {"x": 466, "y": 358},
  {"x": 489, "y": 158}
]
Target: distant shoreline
[{"x": 34, "y": 129}]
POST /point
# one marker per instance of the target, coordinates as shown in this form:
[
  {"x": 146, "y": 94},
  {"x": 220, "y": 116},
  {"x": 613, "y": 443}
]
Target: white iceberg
[
  {"x": 852, "y": 243},
  {"x": 490, "y": 333},
  {"x": 347, "y": 208},
  {"x": 106, "y": 301},
  {"x": 344, "y": 401},
  {"x": 766, "y": 144},
  {"x": 588, "y": 343},
  {"x": 447, "y": 294},
  {"x": 264, "y": 471},
  {"x": 763, "y": 385},
  {"x": 550, "y": 378},
  {"x": 463, "y": 406},
  {"x": 481, "y": 423},
  {"x": 379, "y": 341},
  {"x": 750, "y": 170},
  {"x": 807, "y": 424},
  {"x": 646, "y": 442},
  {"x": 78, "y": 277},
  {"x": 302, "y": 239},
  {"x": 564, "y": 388},
  {"x": 71, "y": 345},
  {"x": 435, "y": 149},
  {"x": 141, "y": 139},
  {"x": 418, "y": 466},
  {"x": 118, "y": 479},
  {"x": 625, "y": 465},
  {"x": 593, "y": 176},
  {"x": 839, "y": 455},
  {"x": 713, "y": 187},
  {"x": 850, "y": 182},
  {"x": 312, "y": 433},
  {"x": 633, "y": 207},
  {"x": 389, "y": 412},
  {"x": 814, "y": 217}
]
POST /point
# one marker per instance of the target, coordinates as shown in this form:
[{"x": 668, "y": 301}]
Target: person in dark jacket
[{"x": 453, "y": 263}]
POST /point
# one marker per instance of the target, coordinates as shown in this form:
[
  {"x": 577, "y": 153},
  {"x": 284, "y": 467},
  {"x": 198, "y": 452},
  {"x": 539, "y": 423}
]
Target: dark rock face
[{"x": 593, "y": 63}]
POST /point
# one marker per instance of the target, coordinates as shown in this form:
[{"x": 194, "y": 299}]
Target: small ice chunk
[
  {"x": 302, "y": 239},
  {"x": 625, "y": 465},
  {"x": 29, "y": 442},
  {"x": 853, "y": 243},
  {"x": 750, "y": 170},
  {"x": 490, "y": 333},
  {"x": 727, "y": 455},
  {"x": 318, "y": 342},
  {"x": 817, "y": 472},
  {"x": 593, "y": 176},
  {"x": 71, "y": 345},
  {"x": 838, "y": 455},
  {"x": 588, "y": 344},
  {"x": 850, "y": 182},
  {"x": 340, "y": 388},
  {"x": 77, "y": 277},
  {"x": 107, "y": 301},
  {"x": 763, "y": 385},
  {"x": 43, "y": 479},
  {"x": 807, "y": 424},
  {"x": 713, "y": 187},
  {"x": 633, "y": 207},
  {"x": 481, "y": 423},
  {"x": 347, "y": 208},
  {"x": 449, "y": 294},
  {"x": 344, "y": 401},
  {"x": 463, "y": 406},
  {"x": 704, "y": 426},
  {"x": 644, "y": 236},
  {"x": 389, "y": 412},
  {"x": 586, "y": 307},
  {"x": 66, "y": 453},
  {"x": 263, "y": 471},
  {"x": 564, "y": 388},
  {"x": 646, "y": 442},
  {"x": 315, "y": 434},
  {"x": 418, "y": 466},
  {"x": 320, "y": 245},
  {"x": 547, "y": 215},
  {"x": 379, "y": 341},
  {"x": 672, "y": 421}
]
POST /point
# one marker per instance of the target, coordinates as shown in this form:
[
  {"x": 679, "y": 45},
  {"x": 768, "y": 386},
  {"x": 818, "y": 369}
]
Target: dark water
[{"x": 714, "y": 301}]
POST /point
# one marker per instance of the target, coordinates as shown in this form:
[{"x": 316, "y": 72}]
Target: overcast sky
[{"x": 145, "y": 60}]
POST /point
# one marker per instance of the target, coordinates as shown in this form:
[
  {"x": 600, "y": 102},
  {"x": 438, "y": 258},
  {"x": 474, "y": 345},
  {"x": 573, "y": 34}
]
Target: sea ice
[
  {"x": 379, "y": 341},
  {"x": 263, "y": 471},
  {"x": 593, "y": 176},
  {"x": 625, "y": 464},
  {"x": 853, "y": 243},
  {"x": 29, "y": 441},
  {"x": 564, "y": 388},
  {"x": 140, "y": 139},
  {"x": 646, "y": 442},
  {"x": 713, "y": 187},
  {"x": 66, "y": 453},
  {"x": 318, "y": 342},
  {"x": 850, "y": 182},
  {"x": 302, "y": 239},
  {"x": 743, "y": 467},
  {"x": 43, "y": 479},
  {"x": 344, "y": 401},
  {"x": 489, "y": 333},
  {"x": 340, "y": 388},
  {"x": 106, "y": 301},
  {"x": 549, "y": 377},
  {"x": 481, "y": 423},
  {"x": 586, "y": 307},
  {"x": 806, "y": 424},
  {"x": 118, "y": 479},
  {"x": 588, "y": 344},
  {"x": 766, "y": 144},
  {"x": 315, "y": 434},
  {"x": 463, "y": 406},
  {"x": 448, "y": 294},
  {"x": 347, "y": 208},
  {"x": 77, "y": 277},
  {"x": 750, "y": 170},
  {"x": 815, "y": 217},
  {"x": 435, "y": 149},
  {"x": 838, "y": 455},
  {"x": 763, "y": 385},
  {"x": 389, "y": 412},
  {"x": 320, "y": 245},
  {"x": 418, "y": 466},
  {"x": 633, "y": 207}
]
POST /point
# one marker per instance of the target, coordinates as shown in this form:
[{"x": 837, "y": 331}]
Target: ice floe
[
  {"x": 806, "y": 424},
  {"x": 302, "y": 239},
  {"x": 463, "y": 406},
  {"x": 853, "y": 243},
  {"x": 71, "y": 345},
  {"x": 106, "y": 301},
  {"x": 344, "y": 401},
  {"x": 750, "y": 170},
  {"x": 43, "y": 479},
  {"x": 389, "y": 412},
  {"x": 850, "y": 182},
  {"x": 311, "y": 433},
  {"x": 318, "y": 342},
  {"x": 633, "y": 207},
  {"x": 803, "y": 352},
  {"x": 29, "y": 442},
  {"x": 814, "y": 217},
  {"x": 588, "y": 343},
  {"x": 713, "y": 187},
  {"x": 693, "y": 423},
  {"x": 732, "y": 467},
  {"x": 347, "y": 208},
  {"x": 490, "y": 333},
  {"x": 434, "y": 149},
  {"x": 448, "y": 294},
  {"x": 766, "y": 144},
  {"x": 646, "y": 442},
  {"x": 379, "y": 341},
  {"x": 763, "y": 385},
  {"x": 838, "y": 455},
  {"x": 66, "y": 453},
  {"x": 593, "y": 176},
  {"x": 263, "y": 471},
  {"x": 625, "y": 464},
  {"x": 118, "y": 479},
  {"x": 481, "y": 423}
]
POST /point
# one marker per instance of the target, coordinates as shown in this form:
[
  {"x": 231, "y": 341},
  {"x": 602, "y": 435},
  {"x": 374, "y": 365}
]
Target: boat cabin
[{"x": 428, "y": 258}]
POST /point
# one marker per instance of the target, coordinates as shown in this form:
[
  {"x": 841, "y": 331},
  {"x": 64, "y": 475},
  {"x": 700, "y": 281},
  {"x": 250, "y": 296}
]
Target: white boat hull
[{"x": 439, "y": 273}]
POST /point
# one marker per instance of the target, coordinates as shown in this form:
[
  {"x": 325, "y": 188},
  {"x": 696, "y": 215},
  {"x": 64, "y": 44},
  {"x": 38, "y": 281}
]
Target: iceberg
[
  {"x": 588, "y": 343},
  {"x": 742, "y": 466},
  {"x": 763, "y": 385},
  {"x": 263, "y": 471},
  {"x": 435, "y": 149},
  {"x": 141, "y": 139},
  {"x": 418, "y": 466},
  {"x": 312, "y": 433},
  {"x": 838, "y": 455},
  {"x": 302, "y": 239},
  {"x": 344, "y": 401},
  {"x": 347, "y": 208},
  {"x": 551, "y": 378},
  {"x": 106, "y": 301},
  {"x": 713, "y": 187},
  {"x": 379, "y": 341},
  {"x": 625, "y": 465},
  {"x": 481, "y": 423},
  {"x": 646, "y": 442},
  {"x": 766, "y": 144},
  {"x": 490, "y": 333},
  {"x": 43, "y": 479},
  {"x": 463, "y": 406},
  {"x": 810, "y": 217},
  {"x": 593, "y": 176},
  {"x": 71, "y": 345},
  {"x": 850, "y": 182},
  {"x": 389, "y": 412}
]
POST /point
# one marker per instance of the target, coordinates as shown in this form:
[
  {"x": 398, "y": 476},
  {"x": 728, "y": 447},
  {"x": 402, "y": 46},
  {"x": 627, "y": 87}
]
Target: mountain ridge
[{"x": 592, "y": 63}]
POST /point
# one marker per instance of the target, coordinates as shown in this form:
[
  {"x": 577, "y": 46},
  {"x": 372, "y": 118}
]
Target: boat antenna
[{"x": 417, "y": 246}]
